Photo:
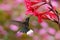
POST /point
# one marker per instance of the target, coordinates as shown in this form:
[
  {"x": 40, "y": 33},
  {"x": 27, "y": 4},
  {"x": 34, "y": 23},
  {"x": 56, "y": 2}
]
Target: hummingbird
[{"x": 25, "y": 25}]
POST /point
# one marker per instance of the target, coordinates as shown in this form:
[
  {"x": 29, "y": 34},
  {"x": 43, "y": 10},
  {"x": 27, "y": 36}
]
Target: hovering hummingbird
[
  {"x": 25, "y": 25},
  {"x": 25, "y": 28}
]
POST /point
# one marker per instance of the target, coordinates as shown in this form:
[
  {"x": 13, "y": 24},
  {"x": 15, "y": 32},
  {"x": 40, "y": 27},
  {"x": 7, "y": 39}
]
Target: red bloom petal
[{"x": 39, "y": 19}]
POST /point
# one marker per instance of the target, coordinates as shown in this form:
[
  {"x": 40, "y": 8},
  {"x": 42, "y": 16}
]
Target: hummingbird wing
[{"x": 19, "y": 23}]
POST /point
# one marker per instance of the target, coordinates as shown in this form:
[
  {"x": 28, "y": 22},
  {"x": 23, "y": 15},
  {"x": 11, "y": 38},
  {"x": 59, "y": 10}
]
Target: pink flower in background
[
  {"x": 5, "y": 7},
  {"x": 54, "y": 3},
  {"x": 2, "y": 31},
  {"x": 44, "y": 24},
  {"x": 45, "y": 37},
  {"x": 51, "y": 31},
  {"x": 48, "y": 37},
  {"x": 20, "y": 18},
  {"x": 42, "y": 31},
  {"x": 13, "y": 27},
  {"x": 51, "y": 38},
  {"x": 57, "y": 35},
  {"x": 19, "y": 1},
  {"x": 18, "y": 34},
  {"x": 36, "y": 38},
  {"x": 1, "y": 28}
]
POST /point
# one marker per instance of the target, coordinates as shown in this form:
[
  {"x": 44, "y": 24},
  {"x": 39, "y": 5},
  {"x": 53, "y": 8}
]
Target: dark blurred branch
[{"x": 56, "y": 13}]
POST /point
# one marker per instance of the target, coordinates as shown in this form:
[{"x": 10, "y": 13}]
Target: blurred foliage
[
  {"x": 1, "y": 36},
  {"x": 1, "y": 1},
  {"x": 52, "y": 24},
  {"x": 25, "y": 37},
  {"x": 10, "y": 37},
  {"x": 4, "y": 17}
]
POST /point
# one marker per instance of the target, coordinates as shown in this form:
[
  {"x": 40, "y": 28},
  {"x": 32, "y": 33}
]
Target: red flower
[
  {"x": 29, "y": 5},
  {"x": 51, "y": 15},
  {"x": 40, "y": 16},
  {"x": 45, "y": 15}
]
